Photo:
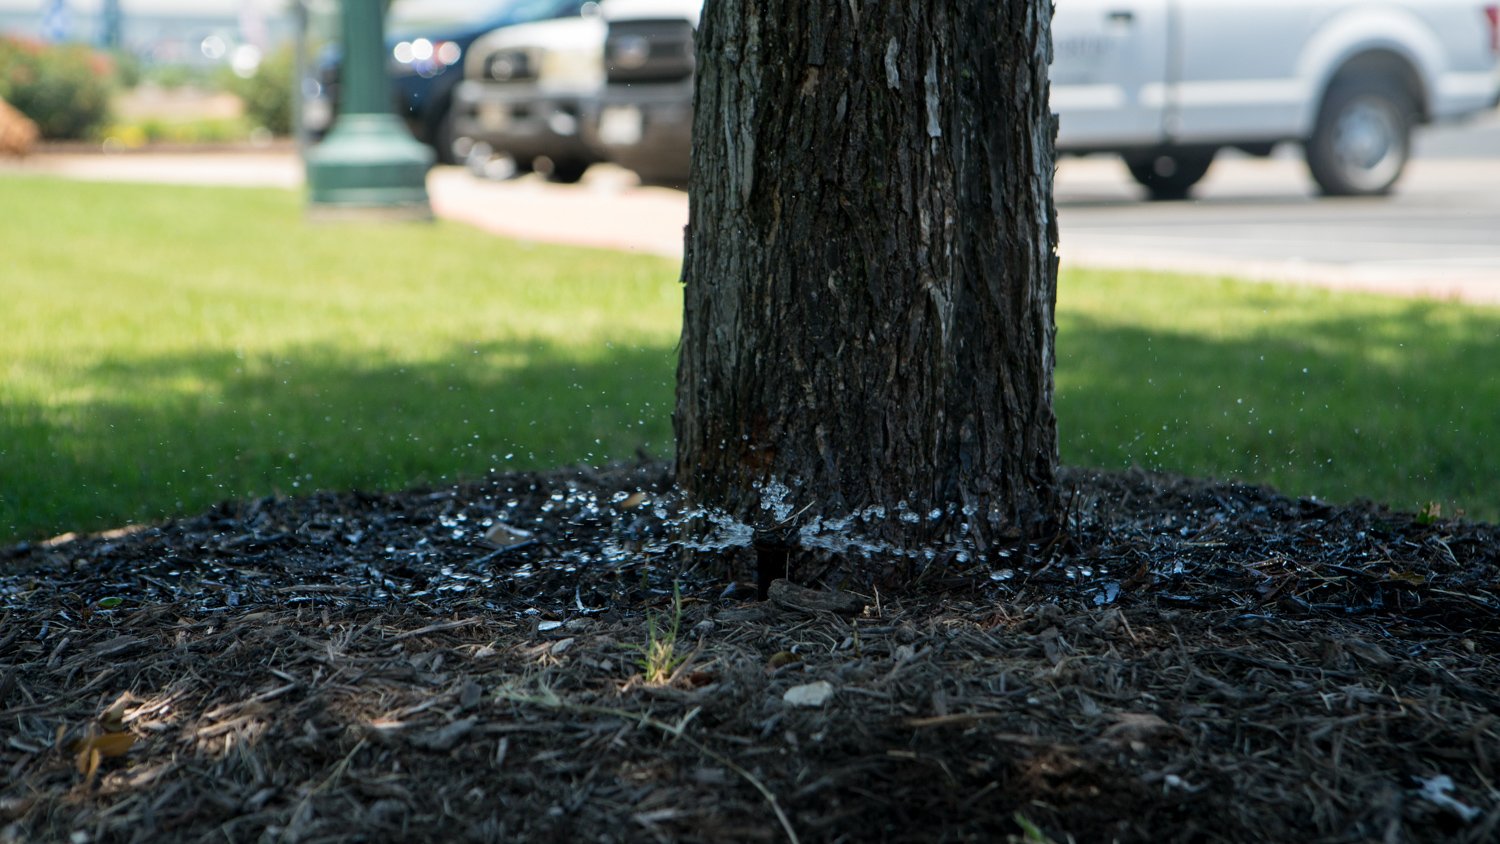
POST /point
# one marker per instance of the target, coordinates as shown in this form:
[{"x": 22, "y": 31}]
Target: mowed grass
[
  {"x": 1315, "y": 392},
  {"x": 163, "y": 348}
]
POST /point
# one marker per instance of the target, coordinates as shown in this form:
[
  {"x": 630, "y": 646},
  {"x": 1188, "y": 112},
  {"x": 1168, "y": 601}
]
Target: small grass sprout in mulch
[
  {"x": 659, "y": 658},
  {"x": 1187, "y": 661}
]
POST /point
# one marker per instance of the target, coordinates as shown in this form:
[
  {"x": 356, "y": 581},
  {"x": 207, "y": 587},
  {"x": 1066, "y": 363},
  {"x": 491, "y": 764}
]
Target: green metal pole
[{"x": 369, "y": 164}]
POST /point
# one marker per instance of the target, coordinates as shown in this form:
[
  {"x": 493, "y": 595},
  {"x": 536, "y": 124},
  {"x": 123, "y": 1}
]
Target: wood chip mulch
[{"x": 1189, "y": 661}]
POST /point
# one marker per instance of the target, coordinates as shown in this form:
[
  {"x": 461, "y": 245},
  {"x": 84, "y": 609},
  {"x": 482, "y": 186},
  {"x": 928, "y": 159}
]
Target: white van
[{"x": 1165, "y": 84}]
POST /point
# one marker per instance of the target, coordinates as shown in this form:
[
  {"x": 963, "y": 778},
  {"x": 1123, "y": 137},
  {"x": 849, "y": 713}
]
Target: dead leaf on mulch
[{"x": 90, "y": 751}]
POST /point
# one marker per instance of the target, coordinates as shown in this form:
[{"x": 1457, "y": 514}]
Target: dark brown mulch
[{"x": 1188, "y": 662}]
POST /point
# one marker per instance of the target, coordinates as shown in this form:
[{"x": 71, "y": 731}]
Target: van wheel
[
  {"x": 566, "y": 171},
  {"x": 1363, "y": 138},
  {"x": 1170, "y": 175}
]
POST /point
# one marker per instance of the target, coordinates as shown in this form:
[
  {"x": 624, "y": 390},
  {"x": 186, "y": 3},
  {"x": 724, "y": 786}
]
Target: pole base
[{"x": 369, "y": 161}]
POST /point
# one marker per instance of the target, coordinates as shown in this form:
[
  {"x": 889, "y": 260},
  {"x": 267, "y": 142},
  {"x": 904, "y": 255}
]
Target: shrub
[
  {"x": 268, "y": 94},
  {"x": 130, "y": 135},
  {"x": 64, "y": 88},
  {"x": 129, "y": 72},
  {"x": 173, "y": 76}
]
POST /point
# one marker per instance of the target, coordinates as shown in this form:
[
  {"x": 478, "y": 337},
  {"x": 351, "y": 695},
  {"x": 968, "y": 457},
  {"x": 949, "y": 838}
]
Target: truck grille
[{"x": 649, "y": 51}]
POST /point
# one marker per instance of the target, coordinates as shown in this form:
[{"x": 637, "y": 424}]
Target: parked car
[
  {"x": 428, "y": 43},
  {"x": 643, "y": 118},
  {"x": 525, "y": 90},
  {"x": 1165, "y": 84}
]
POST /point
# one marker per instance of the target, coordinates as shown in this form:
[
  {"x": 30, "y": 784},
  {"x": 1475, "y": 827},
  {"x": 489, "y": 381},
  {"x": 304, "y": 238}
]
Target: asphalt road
[{"x": 1439, "y": 233}]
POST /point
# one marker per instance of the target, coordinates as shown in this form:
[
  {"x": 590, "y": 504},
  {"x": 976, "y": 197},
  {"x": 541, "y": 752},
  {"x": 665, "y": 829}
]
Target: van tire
[
  {"x": 1169, "y": 174},
  {"x": 1362, "y": 140},
  {"x": 567, "y": 171}
]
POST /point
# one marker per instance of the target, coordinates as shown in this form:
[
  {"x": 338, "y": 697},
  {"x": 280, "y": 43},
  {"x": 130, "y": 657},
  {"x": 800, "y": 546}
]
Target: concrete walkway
[{"x": 1102, "y": 223}]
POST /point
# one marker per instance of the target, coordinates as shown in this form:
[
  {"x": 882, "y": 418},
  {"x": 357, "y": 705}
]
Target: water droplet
[
  {"x": 1107, "y": 595},
  {"x": 774, "y": 498}
]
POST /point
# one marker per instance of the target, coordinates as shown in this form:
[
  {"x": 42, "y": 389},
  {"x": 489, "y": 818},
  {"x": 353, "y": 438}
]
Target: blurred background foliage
[
  {"x": 71, "y": 92},
  {"x": 268, "y": 93},
  {"x": 65, "y": 88}
]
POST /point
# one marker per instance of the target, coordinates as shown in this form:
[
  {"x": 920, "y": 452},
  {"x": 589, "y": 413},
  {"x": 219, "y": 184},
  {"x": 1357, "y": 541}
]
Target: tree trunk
[{"x": 870, "y": 275}]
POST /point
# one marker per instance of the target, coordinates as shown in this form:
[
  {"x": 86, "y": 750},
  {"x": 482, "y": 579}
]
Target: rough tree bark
[{"x": 870, "y": 273}]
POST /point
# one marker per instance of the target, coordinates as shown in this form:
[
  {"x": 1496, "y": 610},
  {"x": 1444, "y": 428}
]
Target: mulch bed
[{"x": 1188, "y": 661}]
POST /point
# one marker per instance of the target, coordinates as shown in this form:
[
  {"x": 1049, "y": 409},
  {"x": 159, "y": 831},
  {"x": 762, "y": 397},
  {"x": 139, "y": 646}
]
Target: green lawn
[
  {"x": 1317, "y": 393},
  {"x": 165, "y": 347}
]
